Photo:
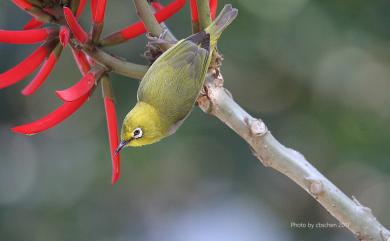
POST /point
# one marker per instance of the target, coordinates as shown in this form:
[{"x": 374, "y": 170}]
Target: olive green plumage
[
  {"x": 172, "y": 85},
  {"x": 169, "y": 89}
]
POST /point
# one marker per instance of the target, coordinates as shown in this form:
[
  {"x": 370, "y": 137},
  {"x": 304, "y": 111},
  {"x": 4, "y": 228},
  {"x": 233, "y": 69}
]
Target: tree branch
[{"x": 218, "y": 102}]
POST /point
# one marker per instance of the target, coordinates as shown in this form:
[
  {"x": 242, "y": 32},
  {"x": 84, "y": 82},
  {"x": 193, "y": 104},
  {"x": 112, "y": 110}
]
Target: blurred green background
[{"x": 316, "y": 71}]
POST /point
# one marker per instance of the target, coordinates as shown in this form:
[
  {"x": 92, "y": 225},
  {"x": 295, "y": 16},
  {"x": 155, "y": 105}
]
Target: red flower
[
  {"x": 25, "y": 36},
  {"x": 81, "y": 7},
  {"x": 33, "y": 23},
  {"x": 83, "y": 87},
  {"x": 74, "y": 26},
  {"x": 138, "y": 28},
  {"x": 157, "y": 6},
  {"x": 81, "y": 60},
  {"x": 24, "y": 68},
  {"x": 52, "y": 119},
  {"x": 113, "y": 137},
  {"x": 64, "y": 36},
  {"x": 43, "y": 73},
  {"x": 98, "y": 8},
  {"x": 23, "y": 4},
  {"x": 71, "y": 33}
]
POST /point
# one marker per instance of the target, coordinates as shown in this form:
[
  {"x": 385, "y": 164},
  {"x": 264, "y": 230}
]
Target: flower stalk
[
  {"x": 112, "y": 127},
  {"x": 138, "y": 28},
  {"x": 44, "y": 72},
  {"x": 98, "y": 8}
]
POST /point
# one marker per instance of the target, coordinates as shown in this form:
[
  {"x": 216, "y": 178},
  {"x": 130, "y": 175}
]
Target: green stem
[
  {"x": 106, "y": 87},
  {"x": 40, "y": 15},
  {"x": 349, "y": 212},
  {"x": 203, "y": 13},
  {"x": 145, "y": 13},
  {"x": 96, "y": 31},
  {"x": 36, "y": 2},
  {"x": 74, "y": 5},
  {"x": 117, "y": 65},
  {"x": 195, "y": 27}
]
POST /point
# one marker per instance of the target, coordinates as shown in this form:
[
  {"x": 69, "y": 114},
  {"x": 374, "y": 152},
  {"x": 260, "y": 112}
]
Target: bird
[{"x": 168, "y": 91}]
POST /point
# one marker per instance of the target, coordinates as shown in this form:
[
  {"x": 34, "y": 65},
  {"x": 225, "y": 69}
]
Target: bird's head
[{"x": 141, "y": 126}]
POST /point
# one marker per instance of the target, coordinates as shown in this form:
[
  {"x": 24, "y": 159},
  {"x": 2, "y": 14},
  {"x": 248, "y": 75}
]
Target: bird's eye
[{"x": 137, "y": 133}]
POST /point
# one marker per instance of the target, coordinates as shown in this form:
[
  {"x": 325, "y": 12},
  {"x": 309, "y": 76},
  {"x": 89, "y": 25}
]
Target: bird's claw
[{"x": 153, "y": 47}]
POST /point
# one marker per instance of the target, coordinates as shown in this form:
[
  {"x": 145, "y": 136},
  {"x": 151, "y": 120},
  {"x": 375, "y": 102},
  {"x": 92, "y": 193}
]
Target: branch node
[
  {"x": 258, "y": 128},
  {"x": 204, "y": 102},
  {"x": 218, "y": 80},
  {"x": 316, "y": 187}
]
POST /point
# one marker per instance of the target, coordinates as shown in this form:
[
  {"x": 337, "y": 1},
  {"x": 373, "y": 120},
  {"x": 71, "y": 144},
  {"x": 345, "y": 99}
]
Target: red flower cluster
[{"x": 66, "y": 28}]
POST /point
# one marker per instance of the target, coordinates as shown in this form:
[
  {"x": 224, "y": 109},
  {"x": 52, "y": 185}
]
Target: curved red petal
[
  {"x": 24, "y": 36},
  {"x": 64, "y": 36},
  {"x": 74, "y": 26},
  {"x": 169, "y": 10},
  {"x": 113, "y": 137},
  {"x": 23, "y": 4},
  {"x": 81, "y": 60},
  {"x": 194, "y": 11},
  {"x": 33, "y": 23},
  {"x": 138, "y": 28},
  {"x": 213, "y": 8},
  {"x": 24, "y": 68},
  {"x": 133, "y": 31},
  {"x": 42, "y": 75},
  {"x": 157, "y": 6},
  {"x": 161, "y": 15},
  {"x": 81, "y": 7},
  {"x": 93, "y": 7},
  {"x": 52, "y": 119},
  {"x": 80, "y": 89},
  {"x": 98, "y": 10}
]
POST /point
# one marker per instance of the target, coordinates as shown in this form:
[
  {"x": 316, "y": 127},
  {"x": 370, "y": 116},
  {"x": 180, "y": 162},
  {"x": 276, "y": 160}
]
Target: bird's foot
[{"x": 153, "y": 47}]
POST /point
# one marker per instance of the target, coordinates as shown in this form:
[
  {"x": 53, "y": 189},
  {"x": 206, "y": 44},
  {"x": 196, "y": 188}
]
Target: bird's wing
[{"x": 174, "y": 80}]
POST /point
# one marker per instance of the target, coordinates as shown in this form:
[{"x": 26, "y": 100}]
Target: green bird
[{"x": 169, "y": 89}]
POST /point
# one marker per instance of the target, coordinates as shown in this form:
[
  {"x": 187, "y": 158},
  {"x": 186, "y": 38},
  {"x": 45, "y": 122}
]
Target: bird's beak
[{"x": 122, "y": 145}]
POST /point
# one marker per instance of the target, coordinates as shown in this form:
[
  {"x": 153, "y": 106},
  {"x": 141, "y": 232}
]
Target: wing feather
[{"x": 175, "y": 79}]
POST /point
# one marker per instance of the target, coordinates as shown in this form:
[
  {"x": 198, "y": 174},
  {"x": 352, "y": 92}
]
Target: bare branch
[
  {"x": 357, "y": 218},
  {"x": 217, "y": 101}
]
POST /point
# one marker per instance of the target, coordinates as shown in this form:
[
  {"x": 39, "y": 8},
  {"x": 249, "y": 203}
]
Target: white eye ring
[{"x": 137, "y": 133}]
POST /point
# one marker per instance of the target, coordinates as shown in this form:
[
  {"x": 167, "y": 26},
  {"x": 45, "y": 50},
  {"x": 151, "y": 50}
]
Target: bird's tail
[{"x": 224, "y": 19}]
